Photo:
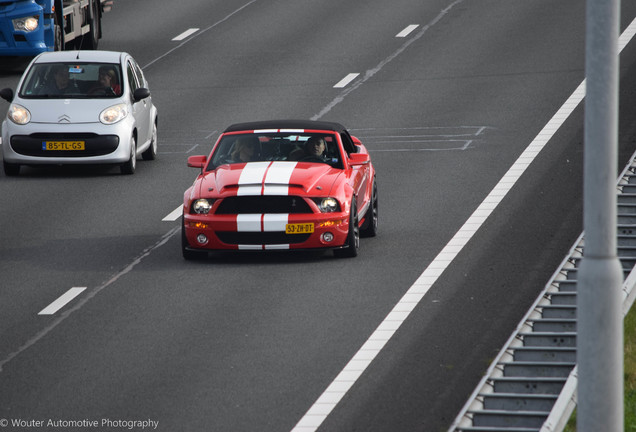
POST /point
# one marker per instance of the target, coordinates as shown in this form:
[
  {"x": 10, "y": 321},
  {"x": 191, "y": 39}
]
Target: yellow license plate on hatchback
[
  {"x": 64, "y": 145},
  {"x": 299, "y": 228}
]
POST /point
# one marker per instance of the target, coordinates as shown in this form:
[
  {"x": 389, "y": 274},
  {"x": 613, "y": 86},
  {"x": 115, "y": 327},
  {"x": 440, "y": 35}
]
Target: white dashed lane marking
[
  {"x": 62, "y": 301},
  {"x": 346, "y": 80},
  {"x": 174, "y": 215},
  {"x": 407, "y": 31},
  {"x": 185, "y": 34}
]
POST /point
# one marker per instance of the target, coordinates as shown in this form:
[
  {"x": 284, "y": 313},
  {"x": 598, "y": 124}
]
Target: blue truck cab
[
  {"x": 29, "y": 27},
  {"x": 26, "y": 27}
]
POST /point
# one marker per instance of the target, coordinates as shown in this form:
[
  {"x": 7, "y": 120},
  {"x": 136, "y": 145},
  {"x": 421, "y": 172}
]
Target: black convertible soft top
[{"x": 297, "y": 124}]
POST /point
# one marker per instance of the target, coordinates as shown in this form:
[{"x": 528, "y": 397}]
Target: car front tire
[
  {"x": 151, "y": 152},
  {"x": 130, "y": 166},
  {"x": 353, "y": 237},
  {"x": 370, "y": 226},
  {"x": 11, "y": 170}
]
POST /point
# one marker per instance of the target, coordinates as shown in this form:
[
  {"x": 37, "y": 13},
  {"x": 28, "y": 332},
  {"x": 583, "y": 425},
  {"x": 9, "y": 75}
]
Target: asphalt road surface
[{"x": 249, "y": 342}]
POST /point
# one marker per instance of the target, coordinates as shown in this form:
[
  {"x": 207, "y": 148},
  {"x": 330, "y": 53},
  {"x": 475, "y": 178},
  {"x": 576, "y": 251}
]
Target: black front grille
[
  {"x": 263, "y": 204},
  {"x": 95, "y": 145},
  {"x": 260, "y": 238}
]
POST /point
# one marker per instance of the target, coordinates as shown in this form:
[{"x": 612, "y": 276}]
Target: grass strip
[{"x": 629, "y": 369}]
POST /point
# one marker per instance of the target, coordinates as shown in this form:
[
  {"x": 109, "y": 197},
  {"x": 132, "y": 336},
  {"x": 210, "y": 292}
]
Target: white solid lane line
[
  {"x": 407, "y": 31},
  {"x": 185, "y": 34},
  {"x": 62, "y": 301},
  {"x": 346, "y": 80},
  {"x": 332, "y": 395},
  {"x": 174, "y": 215}
]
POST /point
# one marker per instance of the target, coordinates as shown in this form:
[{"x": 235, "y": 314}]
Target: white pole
[{"x": 600, "y": 323}]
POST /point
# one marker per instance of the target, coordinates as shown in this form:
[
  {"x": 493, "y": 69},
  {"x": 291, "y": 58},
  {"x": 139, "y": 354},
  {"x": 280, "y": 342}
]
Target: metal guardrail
[{"x": 531, "y": 384}]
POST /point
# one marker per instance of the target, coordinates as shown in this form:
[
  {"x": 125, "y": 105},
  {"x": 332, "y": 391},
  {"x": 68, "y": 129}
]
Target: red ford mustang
[{"x": 287, "y": 184}]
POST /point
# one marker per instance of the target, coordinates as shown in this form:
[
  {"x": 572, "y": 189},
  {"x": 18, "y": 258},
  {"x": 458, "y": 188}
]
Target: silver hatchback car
[{"x": 79, "y": 107}]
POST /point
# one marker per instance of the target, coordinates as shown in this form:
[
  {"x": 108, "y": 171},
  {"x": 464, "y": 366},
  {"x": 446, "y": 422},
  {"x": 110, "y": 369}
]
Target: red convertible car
[{"x": 286, "y": 184}]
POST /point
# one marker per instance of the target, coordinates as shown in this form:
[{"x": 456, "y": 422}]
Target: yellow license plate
[
  {"x": 299, "y": 228},
  {"x": 64, "y": 145}
]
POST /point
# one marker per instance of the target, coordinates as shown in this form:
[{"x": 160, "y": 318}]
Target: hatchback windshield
[{"x": 76, "y": 80}]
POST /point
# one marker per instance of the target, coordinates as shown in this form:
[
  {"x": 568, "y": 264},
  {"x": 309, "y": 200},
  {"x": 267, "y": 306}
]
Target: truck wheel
[
  {"x": 58, "y": 43},
  {"x": 91, "y": 39}
]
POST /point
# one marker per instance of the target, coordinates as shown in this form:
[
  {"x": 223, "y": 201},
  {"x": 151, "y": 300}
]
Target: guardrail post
[{"x": 600, "y": 322}]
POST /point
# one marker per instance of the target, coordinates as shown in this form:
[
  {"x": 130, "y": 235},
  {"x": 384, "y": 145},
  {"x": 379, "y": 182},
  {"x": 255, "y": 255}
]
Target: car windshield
[
  {"x": 72, "y": 80},
  {"x": 255, "y": 147}
]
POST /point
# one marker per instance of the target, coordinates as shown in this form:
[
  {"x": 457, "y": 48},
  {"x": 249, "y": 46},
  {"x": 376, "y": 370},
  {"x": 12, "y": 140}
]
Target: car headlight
[
  {"x": 19, "y": 114},
  {"x": 201, "y": 206},
  {"x": 113, "y": 114},
  {"x": 27, "y": 24},
  {"x": 327, "y": 205}
]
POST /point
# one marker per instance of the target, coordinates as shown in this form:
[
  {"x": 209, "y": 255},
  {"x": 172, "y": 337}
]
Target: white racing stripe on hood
[
  {"x": 277, "y": 178},
  {"x": 251, "y": 179},
  {"x": 266, "y": 178}
]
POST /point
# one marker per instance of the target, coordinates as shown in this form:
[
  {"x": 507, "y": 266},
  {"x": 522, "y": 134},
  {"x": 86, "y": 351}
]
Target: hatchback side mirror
[
  {"x": 6, "y": 94},
  {"x": 141, "y": 93}
]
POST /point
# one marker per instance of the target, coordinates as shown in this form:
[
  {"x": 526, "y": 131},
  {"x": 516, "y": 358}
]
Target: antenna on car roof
[{"x": 79, "y": 46}]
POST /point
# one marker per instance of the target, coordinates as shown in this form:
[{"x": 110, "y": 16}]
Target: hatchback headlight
[
  {"x": 327, "y": 205},
  {"x": 26, "y": 24},
  {"x": 19, "y": 114},
  {"x": 201, "y": 206},
  {"x": 113, "y": 114}
]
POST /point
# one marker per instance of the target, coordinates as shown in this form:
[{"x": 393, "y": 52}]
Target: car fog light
[
  {"x": 327, "y": 237},
  {"x": 202, "y": 239}
]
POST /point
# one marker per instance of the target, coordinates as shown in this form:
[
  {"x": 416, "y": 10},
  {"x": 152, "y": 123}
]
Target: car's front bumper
[
  {"x": 103, "y": 144},
  {"x": 264, "y": 231}
]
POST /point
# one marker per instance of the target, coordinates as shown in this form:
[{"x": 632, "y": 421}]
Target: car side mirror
[
  {"x": 141, "y": 93},
  {"x": 357, "y": 159},
  {"x": 6, "y": 94},
  {"x": 197, "y": 161},
  {"x": 357, "y": 144}
]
